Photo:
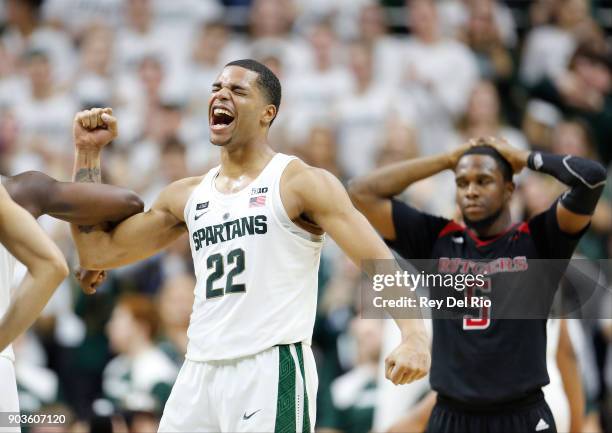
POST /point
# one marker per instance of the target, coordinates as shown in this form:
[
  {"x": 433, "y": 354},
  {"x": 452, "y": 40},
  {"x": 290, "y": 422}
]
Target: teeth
[{"x": 218, "y": 111}]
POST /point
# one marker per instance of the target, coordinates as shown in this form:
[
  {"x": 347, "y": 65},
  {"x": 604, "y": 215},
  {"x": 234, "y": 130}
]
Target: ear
[{"x": 268, "y": 114}]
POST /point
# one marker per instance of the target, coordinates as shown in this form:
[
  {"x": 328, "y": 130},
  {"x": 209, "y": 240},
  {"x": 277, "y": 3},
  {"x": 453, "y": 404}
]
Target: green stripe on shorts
[
  {"x": 306, "y": 417},
  {"x": 285, "y": 401}
]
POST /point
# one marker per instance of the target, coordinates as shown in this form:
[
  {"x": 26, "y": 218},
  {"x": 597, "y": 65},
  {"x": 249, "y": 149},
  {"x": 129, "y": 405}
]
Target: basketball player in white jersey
[
  {"x": 256, "y": 226},
  {"x": 23, "y": 239}
]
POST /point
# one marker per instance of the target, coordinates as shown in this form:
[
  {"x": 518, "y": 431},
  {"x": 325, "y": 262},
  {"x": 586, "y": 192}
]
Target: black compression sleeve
[{"x": 585, "y": 178}]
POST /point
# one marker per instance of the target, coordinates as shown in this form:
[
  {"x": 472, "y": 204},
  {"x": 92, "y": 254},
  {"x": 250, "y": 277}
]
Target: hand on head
[{"x": 516, "y": 157}]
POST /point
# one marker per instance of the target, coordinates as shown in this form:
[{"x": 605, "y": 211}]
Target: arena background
[{"x": 365, "y": 83}]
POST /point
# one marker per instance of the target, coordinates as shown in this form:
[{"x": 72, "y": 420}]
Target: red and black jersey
[{"x": 478, "y": 358}]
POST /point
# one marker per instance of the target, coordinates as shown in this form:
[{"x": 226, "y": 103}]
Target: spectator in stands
[
  {"x": 439, "y": 75},
  {"x": 270, "y": 23},
  {"x": 360, "y": 114},
  {"x": 455, "y": 14},
  {"x": 320, "y": 149},
  {"x": 26, "y": 32},
  {"x": 45, "y": 117},
  {"x": 483, "y": 118},
  {"x": 140, "y": 377},
  {"x": 139, "y": 37},
  {"x": 374, "y": 32},
  {"x": 208, "y": 58},
  {"x": 76, "y": 17},
  {"x": 482, "y": 34},
  {"x": 584, "y": 91},
  {"x": 549, "y": 48},
  {"x": 312, "y": 92},
  {"x": 13, "y": 86},
  {"x": 93, "y": 83}
]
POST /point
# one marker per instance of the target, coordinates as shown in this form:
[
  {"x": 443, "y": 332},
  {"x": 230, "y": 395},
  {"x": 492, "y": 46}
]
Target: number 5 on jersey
[{"x": 215, "y": 261}]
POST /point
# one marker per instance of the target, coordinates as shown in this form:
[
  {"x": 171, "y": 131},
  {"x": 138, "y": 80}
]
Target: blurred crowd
[{"x": 365, "y": 83}]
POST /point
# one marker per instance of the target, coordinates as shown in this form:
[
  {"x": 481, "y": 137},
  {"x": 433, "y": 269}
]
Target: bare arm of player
[
  {"x": 139, "y": 236},
  {"x": 373, "y": 192},
  {"x": 25, "y": 240},
  {"x": 570, "y": 376},
  {"x": 77, "y": 203},
  {"x": 320, "y": 197},
  {"x": 585, "y": 178}
]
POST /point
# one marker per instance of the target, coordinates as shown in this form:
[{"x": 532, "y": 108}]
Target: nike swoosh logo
[
  {"x": 245, "y": 417},
  {"x": 198, "y": 216}
]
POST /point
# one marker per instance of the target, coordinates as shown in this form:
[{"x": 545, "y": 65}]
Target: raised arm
[
  {"x": 25, "y": 240},
  {"x": 372, "y": 193},
  {"x": 143, "y": 234},
  {"x": 585, "y": 178},
  {"x": 318, "y": 196}
]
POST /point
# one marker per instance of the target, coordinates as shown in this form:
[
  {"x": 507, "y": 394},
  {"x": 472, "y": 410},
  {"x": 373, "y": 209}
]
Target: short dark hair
[
  {"x": 590, "y": 53},
  {"x": 502, "y": 163},
  {"x": 267, "y": 80}
]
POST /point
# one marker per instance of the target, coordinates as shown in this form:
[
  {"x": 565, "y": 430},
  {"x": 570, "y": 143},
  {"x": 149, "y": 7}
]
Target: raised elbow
[{"x": 600, "y": 173}]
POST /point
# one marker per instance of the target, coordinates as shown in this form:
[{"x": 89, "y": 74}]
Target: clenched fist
[
  {"x": 93, "y": 129},
  {"x": 409, "y": 361}
]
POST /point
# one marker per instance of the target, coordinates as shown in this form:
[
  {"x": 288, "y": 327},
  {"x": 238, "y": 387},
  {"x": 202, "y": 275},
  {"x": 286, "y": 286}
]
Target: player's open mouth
[{"x": 221, "y": 118}]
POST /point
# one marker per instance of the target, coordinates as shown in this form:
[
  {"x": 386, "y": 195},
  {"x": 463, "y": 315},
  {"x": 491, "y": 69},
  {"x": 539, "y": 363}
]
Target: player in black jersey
[{"x": 488, "y": 373}]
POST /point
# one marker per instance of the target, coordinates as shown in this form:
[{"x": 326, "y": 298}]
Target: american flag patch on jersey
[{"x": 257, "y": 201}]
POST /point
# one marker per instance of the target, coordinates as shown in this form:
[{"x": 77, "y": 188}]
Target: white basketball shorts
[{"x": 272, "y": 391}]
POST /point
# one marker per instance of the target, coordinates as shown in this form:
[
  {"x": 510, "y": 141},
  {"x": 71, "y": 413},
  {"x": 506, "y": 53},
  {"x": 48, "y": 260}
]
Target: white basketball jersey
[
  {"x": 7, "y": 268},
  {"x": 256, "y": 270}
]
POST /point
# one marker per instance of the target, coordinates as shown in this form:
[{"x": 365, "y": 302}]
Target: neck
[
  {"x": 493, "y": 225},
  {"x": 363, "y": 85},
  {"x": 429, "y": 37},
  {"x": 324, "y": 63},
  {"x": 26, "y": 27},
  {"x": 42, "y": 92},
  {"x": 238, "y": 160},
  {"x": 138, "y": 346}
]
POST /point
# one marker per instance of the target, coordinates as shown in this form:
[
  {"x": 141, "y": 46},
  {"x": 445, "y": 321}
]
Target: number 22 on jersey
[{"x": 235, "y": 264}]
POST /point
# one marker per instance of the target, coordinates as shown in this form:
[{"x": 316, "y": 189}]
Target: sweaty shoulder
[{"x": 173, "y": 198}]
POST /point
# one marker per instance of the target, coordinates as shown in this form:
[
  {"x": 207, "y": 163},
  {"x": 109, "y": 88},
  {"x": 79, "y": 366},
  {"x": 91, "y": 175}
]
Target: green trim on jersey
[
  {"x": 306, "y": 417},
  {"x": 285, "y": 400}
]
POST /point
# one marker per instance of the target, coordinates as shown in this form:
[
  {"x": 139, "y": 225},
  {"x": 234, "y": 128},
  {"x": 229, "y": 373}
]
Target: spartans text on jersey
[{"x": 251, "y": 225}]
